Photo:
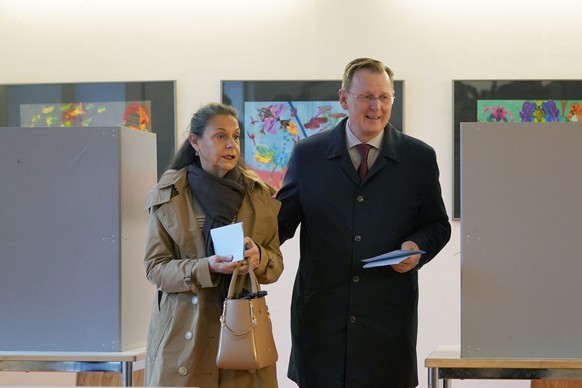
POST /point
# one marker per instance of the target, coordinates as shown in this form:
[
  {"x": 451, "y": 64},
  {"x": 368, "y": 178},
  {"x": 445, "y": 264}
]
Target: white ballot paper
[
  {"x": 389, "y": 258},
  {"x": 229, "y": 240}
]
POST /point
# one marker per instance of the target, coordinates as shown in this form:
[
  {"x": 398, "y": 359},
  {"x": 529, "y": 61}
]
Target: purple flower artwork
[{"x": 529, "y": 111}]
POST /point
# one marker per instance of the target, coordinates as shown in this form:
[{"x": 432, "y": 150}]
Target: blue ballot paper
[
  {"x": 229, "y": 240},
  {"x": 389, "y": 258}
]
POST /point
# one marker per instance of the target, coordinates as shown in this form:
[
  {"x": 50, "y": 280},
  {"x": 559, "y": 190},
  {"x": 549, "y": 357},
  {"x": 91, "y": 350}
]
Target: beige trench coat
[{"x": 183, "y": 335}]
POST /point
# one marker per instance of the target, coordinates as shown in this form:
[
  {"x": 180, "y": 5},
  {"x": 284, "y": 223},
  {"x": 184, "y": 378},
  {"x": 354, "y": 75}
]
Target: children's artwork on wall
[
  {"x": 504, "y": 101},
  {"x": 131, "y": 114},
  {"x": 145, "y": 106},
  {"x": 274, "y": 115},
  {"x": 274, "y": 128},
  {"x": 529, "y": 111}
]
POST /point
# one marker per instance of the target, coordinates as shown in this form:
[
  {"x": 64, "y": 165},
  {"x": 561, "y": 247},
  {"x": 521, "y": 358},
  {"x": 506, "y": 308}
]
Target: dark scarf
[{"x": 221, "y": 199}]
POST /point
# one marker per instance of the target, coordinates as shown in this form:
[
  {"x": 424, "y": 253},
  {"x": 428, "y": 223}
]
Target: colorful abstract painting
[
  {"x": 131, "y": 114},
  {"x": 533, "y": 111},
  {"x": 273, "y": 127}
]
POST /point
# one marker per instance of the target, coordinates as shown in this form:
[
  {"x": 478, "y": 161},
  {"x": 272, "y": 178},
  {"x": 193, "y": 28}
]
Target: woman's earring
[{"x": 196, "y": 153}]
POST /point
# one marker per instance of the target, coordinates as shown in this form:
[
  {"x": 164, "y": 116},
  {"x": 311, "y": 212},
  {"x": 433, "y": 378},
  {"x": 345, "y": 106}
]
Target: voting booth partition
[
  {"x": 73, "y": 231},
  {"x": 521, "y": 229}
]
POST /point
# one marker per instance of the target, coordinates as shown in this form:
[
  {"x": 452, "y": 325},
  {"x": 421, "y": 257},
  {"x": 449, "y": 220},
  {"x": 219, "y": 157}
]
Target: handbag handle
[
  {"x": 233, "y": 290},
  {"x": 255, "y": 289}
]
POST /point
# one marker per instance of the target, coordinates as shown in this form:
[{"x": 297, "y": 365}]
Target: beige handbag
[{"x": 246, "y": 335}]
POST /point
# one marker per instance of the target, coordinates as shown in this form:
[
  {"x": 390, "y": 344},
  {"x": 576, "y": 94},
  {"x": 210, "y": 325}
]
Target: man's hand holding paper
[
  {"x": 402, "y": 260},
  {"x": 411, "y": 261}
]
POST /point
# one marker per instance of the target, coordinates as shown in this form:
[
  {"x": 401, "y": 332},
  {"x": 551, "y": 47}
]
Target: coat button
[
  {"x": 353, "y": 319},
  {"x": 358, "y": 238},
  {"x": 360, "y": 198},
  {"x": 356, "y": 279},
  {"x": 188, "y": 335},
  {"x": 195, "y": 300},
  {"x": 182, "y": 371}
]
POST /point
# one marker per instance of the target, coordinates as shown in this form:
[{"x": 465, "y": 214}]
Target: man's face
[{"x": 368, "y": 115}]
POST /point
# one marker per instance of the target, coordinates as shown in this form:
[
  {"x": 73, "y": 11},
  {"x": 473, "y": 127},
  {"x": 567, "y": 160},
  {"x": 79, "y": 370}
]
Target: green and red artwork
[{"x": 131, "y": 114}]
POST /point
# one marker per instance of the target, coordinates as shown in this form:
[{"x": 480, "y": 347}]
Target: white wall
[{"x": 198, "y": 43}]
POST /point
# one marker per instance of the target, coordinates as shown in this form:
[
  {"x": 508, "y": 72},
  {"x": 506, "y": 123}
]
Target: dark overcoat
[{"x": 350, "y": 326}]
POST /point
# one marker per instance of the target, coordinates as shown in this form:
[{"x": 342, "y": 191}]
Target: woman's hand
[
  {"x": 224, "y": 264},
  {"x": 252, "y": 256},
  {"x": 221, "y": 264}
]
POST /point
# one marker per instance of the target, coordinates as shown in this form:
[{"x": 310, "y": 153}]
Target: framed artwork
[
  {"x": 146, "y": 106},
  {"x": 510, "y": 101},
  {"x": 274, "y": 115}
]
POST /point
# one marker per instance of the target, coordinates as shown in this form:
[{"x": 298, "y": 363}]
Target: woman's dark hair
[{"x": 186, "y": 154}]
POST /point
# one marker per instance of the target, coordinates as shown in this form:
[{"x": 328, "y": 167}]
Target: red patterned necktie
[{"x": 363, "y": 149}]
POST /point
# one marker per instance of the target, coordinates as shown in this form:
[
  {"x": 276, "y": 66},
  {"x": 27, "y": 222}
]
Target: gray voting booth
[
  {"x": 72, "y": 238},
  {"x": 521, "y": 238}
]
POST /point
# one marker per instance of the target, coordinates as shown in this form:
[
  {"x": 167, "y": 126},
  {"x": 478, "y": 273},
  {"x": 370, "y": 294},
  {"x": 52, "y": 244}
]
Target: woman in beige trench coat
[{"x": 204, "y": 188}]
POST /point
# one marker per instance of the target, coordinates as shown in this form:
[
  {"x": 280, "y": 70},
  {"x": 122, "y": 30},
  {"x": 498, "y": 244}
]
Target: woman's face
[{"x": 219, "y": 146}]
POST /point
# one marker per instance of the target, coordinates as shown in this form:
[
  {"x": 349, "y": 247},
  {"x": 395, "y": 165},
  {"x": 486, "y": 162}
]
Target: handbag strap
[
  {"x": 234, "y": 290},
  {"x": 239, "y": 279}
]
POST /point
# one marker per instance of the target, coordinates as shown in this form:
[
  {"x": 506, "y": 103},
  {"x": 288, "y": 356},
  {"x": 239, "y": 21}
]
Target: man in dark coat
[{"x": 353, "y": 326}]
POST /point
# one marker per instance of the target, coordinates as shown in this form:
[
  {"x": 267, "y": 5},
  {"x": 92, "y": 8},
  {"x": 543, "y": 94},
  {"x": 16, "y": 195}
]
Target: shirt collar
[{"x": 352, "y": 140}]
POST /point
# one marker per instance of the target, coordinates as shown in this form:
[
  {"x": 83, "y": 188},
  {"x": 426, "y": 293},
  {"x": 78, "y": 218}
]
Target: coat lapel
[
  {"x": 336, "y": 149},
  {"x": 177, "y": 217},
  {"x": 390, "y": 151}
]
